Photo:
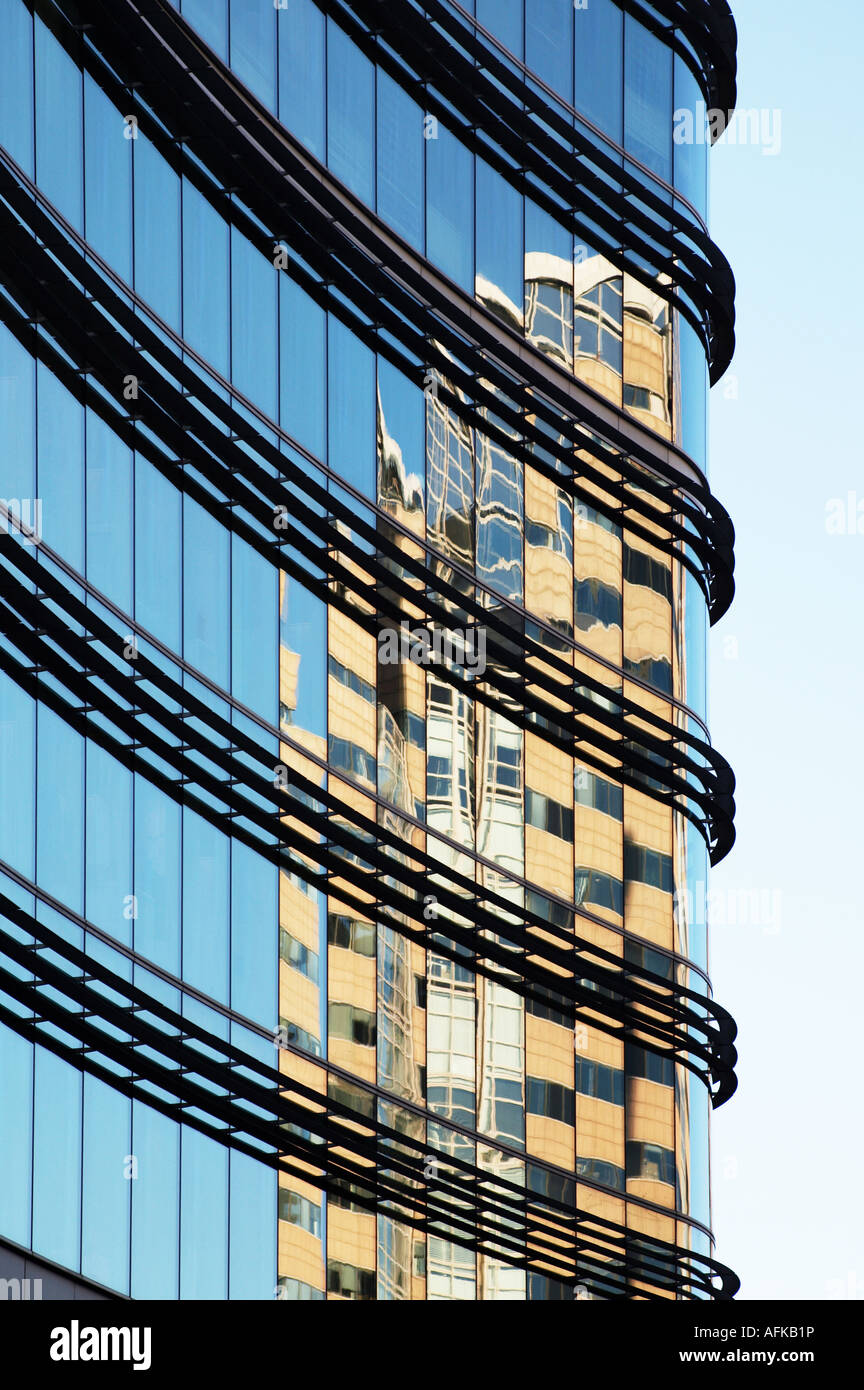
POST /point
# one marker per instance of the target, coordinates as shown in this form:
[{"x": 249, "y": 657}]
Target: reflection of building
[{"x": 427, "y": 919}]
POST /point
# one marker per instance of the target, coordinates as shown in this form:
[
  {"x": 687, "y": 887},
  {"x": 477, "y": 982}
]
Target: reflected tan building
[{"x": 424, "y": 793}]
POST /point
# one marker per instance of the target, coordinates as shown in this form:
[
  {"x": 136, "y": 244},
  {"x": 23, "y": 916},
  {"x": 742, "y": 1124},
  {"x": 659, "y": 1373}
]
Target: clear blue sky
[{"x": 787, "y": 711}]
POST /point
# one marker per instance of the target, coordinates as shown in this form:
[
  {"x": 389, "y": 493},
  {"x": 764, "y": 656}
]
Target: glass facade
[{"x": 357, "y": 560}]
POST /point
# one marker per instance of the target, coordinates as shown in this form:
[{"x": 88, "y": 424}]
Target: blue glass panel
[
  {"x": 109, "y": 513},
  {"x": 205, "y": 906},
  {"x": 56, "y": 1180},
  {"x": 157, "y": 876},
  {"x": 403, "y": 416},
  {"x": 647, "y": 98},
  {"x": 59, "y": 153},
  {"x": 694, "y": 393},
  {"x": 60, "y": 810},
  {"x": 254, "y": 937},
  {"x": 157, "y": 232},
  {"x": 17, "y": 422},
  {"x": 16, "y": 83},
  {"x": 108, "y": 180},
  {"x": 18, "y": 760},
  {"x": 16, "y": 1126},
  {"x": 351, "y": 408},
  {"x": 158, "y": 520},
  {"x": 206, "y": 270},
  {"x": 210, "y": 18},
  {"x": 106, "y": 1195},
  {"x": 700, "y": 1120},
  {"x": 450, "y": 208},
  {"x": 303, "y": 367},
  {"x": 499, "y": 271},
  {"x": 697, "y": 896},
  {"x": 696, "y": 640},
  {"x": 689, "y": 138},
  {"x": 254, "y": 324},
  {"x": 400, "y": 161},
  {"x": 598, "y": 66},
  {"x": 255, "y": 629},
  {"x": 109, "y": 844},
  {"x": 303, "y": 631},
  {"x": 60, "y": 472},
  {"x": 206, "y": 594},
  {"x": 503, "y": 18},
  {"x": 203, "y": 1218},
  {"x": 549, "y": 43},
  {"x": 253, "y": 1229},
  {"x": 350, "y": 114},
  {"x": 253, "y": 47},
  {"x": 155, "y": 1209},
  {"x": 301, "y": 73}
]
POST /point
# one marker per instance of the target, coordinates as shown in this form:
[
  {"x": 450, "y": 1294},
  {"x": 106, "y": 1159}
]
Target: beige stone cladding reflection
[
  {"x": 549, "y": 865},
  {"x": 648, "y": 899},
  {"x": 549, "y": 306},
  {"x": 351, "y": 1229},
  {"x": 548, "y": 840},
  {"x": 352, "y": 714},
  {"x": 648, "y": 358},
  {"x": 351, "y": 986},
  {"x": 651, "y": 1121},
  {"x": 401, "y": 1256},
  {"x": 549, "y": 1056},
  {"x": 300, "y": 937},
  {"x": 600, "y": 1128},
  {"x": 597, "y": 581},
  {"x": 351, "y": 1250},
  {"x": 648, "y": 614},
  {"x": 597, "y": 324},
  {"x": 601, "y": 1210},
  {"x": 649, "y": 1227},
  {"x": 499, "y": 1280},
  {"x": 548, "y": 552},
  {"x": 300, "y": 1228},
  {"x": 300, "y": 1253},
  {"x": 302, "y": 932}
]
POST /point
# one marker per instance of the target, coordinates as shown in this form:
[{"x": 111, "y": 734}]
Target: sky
[{"x": 786, "y": 682}]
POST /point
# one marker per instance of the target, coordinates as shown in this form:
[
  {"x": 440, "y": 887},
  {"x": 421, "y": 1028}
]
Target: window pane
[
  {"x": 499, "y": 269},
  {"x": 253, "y": 48},
  {"x": 109, "y": 512},
  {"x": 350, "y": 114},
  {"x": 59, "y": 156},
  {"x": 400, "y": 161},
  {"x": 303, "y": 367},
  {"x": 157, "y": 232},
  {"x": 648, "y": 98},
  {"x": 351, "y": 408},
  {"x": 549, "y": 43},
  {"x": 108, "y": 173},
  {"x": 450, "y": 207},
  {"x": 210, "y": 18},
  {"x": 16, "y": 84},
  {"x": 598, "y": 61},
  {"x": 205, "y": 279},
  {"x": 301, "y": 72}
]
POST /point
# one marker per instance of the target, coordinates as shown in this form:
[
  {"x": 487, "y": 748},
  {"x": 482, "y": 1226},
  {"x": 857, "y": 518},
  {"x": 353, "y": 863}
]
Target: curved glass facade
[{"x": 356, "y": 564}]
